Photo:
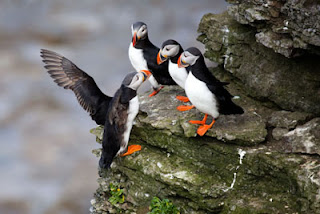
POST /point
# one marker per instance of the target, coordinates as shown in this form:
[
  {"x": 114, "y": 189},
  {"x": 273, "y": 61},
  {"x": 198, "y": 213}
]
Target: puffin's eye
[{"x": 167, "y": 49}]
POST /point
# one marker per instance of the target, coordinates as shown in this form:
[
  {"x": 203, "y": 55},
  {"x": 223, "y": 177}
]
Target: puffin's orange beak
[
  {"x": 182, "y": 64},
  {"x": 160, "y": 58},
  {"x": 134, "y": 39},
  {"x": 146, "y": 73}
]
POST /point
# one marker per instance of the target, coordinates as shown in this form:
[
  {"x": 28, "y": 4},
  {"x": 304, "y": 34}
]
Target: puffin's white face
[
  {"x": 170, "y": 51},
  {"x": 137, "y": 80},
  {"x": 139, "y": 31},
  {"x": 142, "y": 32},
  {"x": 186, "y": 59},
  {"x": 167, "y": 52}
]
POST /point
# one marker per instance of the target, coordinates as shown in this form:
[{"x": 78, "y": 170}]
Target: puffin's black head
[
  {"x": 139, "y": 31},
  {"x": 135, "y": 79},
  {"x": 169, "y": 48},
  {"x": 189, "y": 57}
]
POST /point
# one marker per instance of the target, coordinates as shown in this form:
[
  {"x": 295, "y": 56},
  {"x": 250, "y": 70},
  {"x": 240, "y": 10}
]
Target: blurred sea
[{"x": 45, "y": 157}]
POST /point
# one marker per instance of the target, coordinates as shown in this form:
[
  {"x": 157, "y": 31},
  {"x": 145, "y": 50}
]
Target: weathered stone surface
[
  {"x": 288, "y": 120},
  {"x": 205, "y": 174},
  {"x": 291, "y": 84},
  {"x": 248, "y": 128},
  {"x": 305, "y": 138},
  {"x": 278, "y": 133},
  {"x": 288, "y": 27}
]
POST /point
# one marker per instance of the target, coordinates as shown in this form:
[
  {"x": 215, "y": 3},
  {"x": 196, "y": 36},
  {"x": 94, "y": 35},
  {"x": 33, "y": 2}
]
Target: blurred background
[{"x": 45, "y": 156}]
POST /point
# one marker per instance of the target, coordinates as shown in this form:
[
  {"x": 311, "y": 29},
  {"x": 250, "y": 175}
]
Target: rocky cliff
[{"x": 264, "y": 161}]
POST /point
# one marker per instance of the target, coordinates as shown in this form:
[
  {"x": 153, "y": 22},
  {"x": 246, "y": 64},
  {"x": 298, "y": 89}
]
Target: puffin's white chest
[
  {"x": 139, "y": 63},
  {"x": 136, "y": 58},
  {"x": 179, "y": 75},
  {"x": 132, "y": 113},
  {"x": 200, "y": 96}
]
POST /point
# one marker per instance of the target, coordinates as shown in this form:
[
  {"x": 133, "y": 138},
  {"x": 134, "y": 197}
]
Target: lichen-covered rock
[
  {"x": 288, "y": 26},
  {"x": 208, "y": 174},
  {"x": 291, "y": 84}
]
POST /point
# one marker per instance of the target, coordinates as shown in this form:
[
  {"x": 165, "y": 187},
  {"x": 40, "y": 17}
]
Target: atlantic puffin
[
  {"x": 205, "y": 92},
  {"x": 143, "y": 56},
  {"x": 67, "y": 75},
  {"x": 123, "y": 108},
  {"x": 171, "y": 50}
]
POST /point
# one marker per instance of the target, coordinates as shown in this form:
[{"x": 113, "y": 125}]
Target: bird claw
[
  {"x": 204, "y": 128},
  {"x": 155, "y": 91}
]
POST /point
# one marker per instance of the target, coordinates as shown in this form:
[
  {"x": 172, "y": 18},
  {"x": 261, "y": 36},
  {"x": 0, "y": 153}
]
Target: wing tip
[{"x": 45, "y": 53}]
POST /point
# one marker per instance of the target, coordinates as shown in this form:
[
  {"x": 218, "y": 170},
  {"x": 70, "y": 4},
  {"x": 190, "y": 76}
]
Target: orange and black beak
[
  {"x": 160, "y": 58},
  {"x": 146, "y": 74},
  {"x": 134, "y": 39},
  {"x": 182, "y": 63}
]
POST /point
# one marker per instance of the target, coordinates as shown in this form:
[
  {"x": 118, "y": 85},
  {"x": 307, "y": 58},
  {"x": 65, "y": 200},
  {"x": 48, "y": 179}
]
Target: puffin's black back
[
  {"x": 160, "y": 72},
  {"x": 201, "y": 72},
  {"x": 115, "y": 125}
]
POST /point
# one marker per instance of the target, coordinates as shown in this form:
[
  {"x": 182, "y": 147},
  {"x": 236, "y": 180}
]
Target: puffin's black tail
[
  {"x": 230, "y": 108},
  {"x": 237, "y": 109},
  {"x": 105, "y": 161}
]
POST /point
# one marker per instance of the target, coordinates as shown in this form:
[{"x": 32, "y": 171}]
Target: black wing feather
[
  {"x": 113, "y": 129},
  {"x": 67, "y": 75},
  {"x": 226, "y": 106},
  {"x": 159, "y": 72}
]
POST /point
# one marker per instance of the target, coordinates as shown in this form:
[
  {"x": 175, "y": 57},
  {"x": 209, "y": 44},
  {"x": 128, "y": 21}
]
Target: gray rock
[
  {"x": 291, "y": 84},
  {"x": 244, "y": 129},
  {"x": 305, "y": 138},
  {"x": 285, "y": 26},
  {"x": 278, "y": 133},
  {"x": 287, "y": 119}
]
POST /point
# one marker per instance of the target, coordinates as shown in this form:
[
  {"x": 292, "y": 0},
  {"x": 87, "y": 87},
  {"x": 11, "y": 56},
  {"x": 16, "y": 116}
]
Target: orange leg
[
  {"x": 185, "y": 108},
  {"x": 155, "y": 91},
  {"x": 131, "y": 149},
  {"x": 201, "y": 122},
  {"x": 204, "y": 128},
  {"x": 182, "y": 99}
]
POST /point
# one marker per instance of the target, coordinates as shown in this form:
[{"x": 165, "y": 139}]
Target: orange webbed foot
[
  {"x": 182, "y": 99},
  {"x": 197, "y": 122},
  {"x": 201, "y": 122},
  {"x": 185, "y": 108},
  {"x": 131, "y": 149},
  {"x": 204, "y": 128},
  {"x": 155, "y": 91}
]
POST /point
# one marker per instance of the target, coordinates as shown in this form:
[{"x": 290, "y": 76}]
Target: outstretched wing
[{"x": 67, "y": 75}]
